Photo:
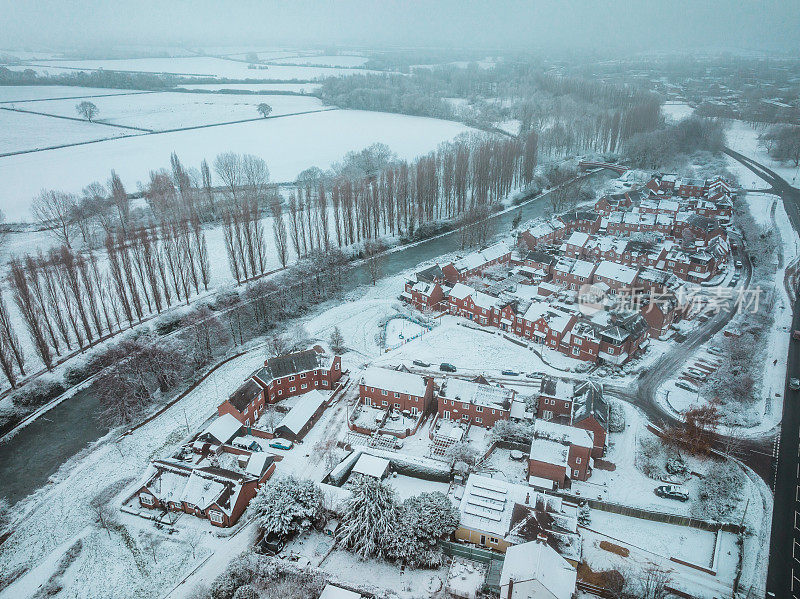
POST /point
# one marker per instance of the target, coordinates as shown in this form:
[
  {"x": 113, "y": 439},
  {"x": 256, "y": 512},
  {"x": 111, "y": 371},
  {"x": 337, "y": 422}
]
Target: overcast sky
[{"x": 594, "y": 25}]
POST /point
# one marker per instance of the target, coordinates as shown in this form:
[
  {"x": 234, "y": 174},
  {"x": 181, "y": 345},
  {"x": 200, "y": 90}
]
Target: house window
[
  {"x": 464, "y": 406},
  {"x": 479, "y": 420},
  {"x": 414, "y": 410},
  {"x": 575, "y": 473},
  {"x": 397, "y": 405},
  {"x": 385, "y": 403},
  {"x": 494, "y": 540},
  {"x": 302, "y": 376},
  {"x": 479, "y": 408},
  {"x": 566, "y": 404},
  {"x": 280, "y": 391},
  {"x": 146, "y": 498},
  {"x": 303, "y": 386},
  {"x": 324, "y": 383},
  {"x": 367, "y": 401},
  {"x": 396, "y": 394},
  {"x": 215, "y": 516},
  {"x": 291, "y": 378},
  {"x": 577, "y": 460},
  {"x": 292, "y": 388},
  {"x": 247, "y": 422},
  {"x": 492, "y": 411},
  {"x": 384, "y": 392}
]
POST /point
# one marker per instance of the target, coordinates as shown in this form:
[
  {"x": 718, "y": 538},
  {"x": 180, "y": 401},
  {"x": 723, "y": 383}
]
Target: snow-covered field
[
  {"x": 401, "y": 330},
  {"x": 24, "y": 93},
  {"x": 22, "y": 131},
  {"x": 204, "y": 66},
  {"x": 173, "y": 110},
  {"x": 289, "y": 145},
  {"x": 324, "y": 60},
  {"x": 743, "y": 138},
  {"x": 676, "y": 111},
  {"x": 301, "y": 88}
]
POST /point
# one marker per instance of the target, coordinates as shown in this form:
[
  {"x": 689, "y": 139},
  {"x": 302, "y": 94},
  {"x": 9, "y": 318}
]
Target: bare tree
[
  {"x": 373, "y": 253},
  {"x": 87, "y": 110},
  {"x": 30, "y": 311},
  {"x": 54, "y": 210},
  {"x": 279, "y": 232},
  {"x": 119, "y": 198},
  {"x": 264, "y": 109}
]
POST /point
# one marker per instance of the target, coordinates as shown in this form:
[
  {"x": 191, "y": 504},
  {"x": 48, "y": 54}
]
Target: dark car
[
  {"x": 420, "y": 363},
  {"x": 672, "y": 492},
  {"x": 510, "y": 373},
  {"x": 272, "y": 544},
  {"x": 445, "y": 367}
]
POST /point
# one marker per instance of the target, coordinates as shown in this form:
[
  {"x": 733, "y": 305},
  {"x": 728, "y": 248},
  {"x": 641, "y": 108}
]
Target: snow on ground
[
  {"x": 300, "y": 88},
  {"x": 407, "y": 486},
  {"x": 676, "y": 111},
  {"x": 327, "y": 61},
  {"x": 655, "y": 542},
  {"x": 32, "y": 131},
  {"x": 173, "y": 110},
  {"x": 289, "y": 145},
  {"x": 200, "y": 66},
  {"x": 26, "y": 93},
  {"x": 743, "y": 138},
  {"x": 60, "y": 510},
  {"x": 401, "y": 330},
  {"x": 469, "y": 350}
]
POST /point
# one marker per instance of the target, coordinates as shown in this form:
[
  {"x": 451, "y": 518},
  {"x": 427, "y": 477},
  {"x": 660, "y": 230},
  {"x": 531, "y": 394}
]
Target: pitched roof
[
  {"x": 303, "y": 410},
  {"x": 242, "y": 397},
  {"x": 293, "y": 363},
  {"x": 223, "y": 429},
  {"x": 590, "y": 402},
  {"x": 540, "y": 562},
  {"x": 393, "y": 380},
  {"x": 482, "y": 395}
]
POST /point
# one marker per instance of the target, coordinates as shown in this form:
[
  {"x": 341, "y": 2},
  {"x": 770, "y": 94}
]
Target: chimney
[
  {"x": 541, "y": 538},
  {"x": 510, "y": 588},
  {"x": 527, "y": 498}
]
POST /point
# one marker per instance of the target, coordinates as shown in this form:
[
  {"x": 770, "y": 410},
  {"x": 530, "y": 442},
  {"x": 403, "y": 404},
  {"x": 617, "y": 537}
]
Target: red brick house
[
  {"x": 544, "y": 233},
  {"x": 618, "y": 277},
  {"x": 690, "y": 188},
  {"x": 207, "y": 489},
  {"x": 383, "y": 388},
  {"x": 660, "y": 312},
  {"x": 591, "y": 412},
  {"x": 476, "y": 262},
  {"x": 247, "y": 403},
  {"x": 537, "y": 266},
  {"x": 424, "y": 291},
  {"x": 555, "y": 400},
  {"x": 482, "y": 405},
  {"x": 474, "y": 305},
  {"x": 572, "y": 274},
  {"x": 587, "y": 221},
  {"x": 560, "y": 453},
  {"x": 298, "y": 373}
]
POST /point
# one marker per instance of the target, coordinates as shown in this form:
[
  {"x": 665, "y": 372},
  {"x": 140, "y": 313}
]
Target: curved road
[{"x": 783, "y": 574}]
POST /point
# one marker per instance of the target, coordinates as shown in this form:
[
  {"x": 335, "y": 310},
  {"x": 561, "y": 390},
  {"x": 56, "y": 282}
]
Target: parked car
[
  {"x": 738, "y": 264},
  {"x": 672, "y": 492},
  {"x": 686, "y": 385},
  {"x": 420, "y": 363},
  {"x": 509, "y": 373},
  {"x": 796, "y": 335},
  {"x": 533, "y": 375},
  {"x": 445, "y": 367},
  {"x": 281, "y": 444},
  {"x": 794, "y": 384},
  {"x": 272, "y": 544}
]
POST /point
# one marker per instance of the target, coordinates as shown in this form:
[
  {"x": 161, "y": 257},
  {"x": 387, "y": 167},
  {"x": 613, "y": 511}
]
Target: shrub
[
  {"x": 37, "y": 393},
  {"x": 616, "y": 423}
]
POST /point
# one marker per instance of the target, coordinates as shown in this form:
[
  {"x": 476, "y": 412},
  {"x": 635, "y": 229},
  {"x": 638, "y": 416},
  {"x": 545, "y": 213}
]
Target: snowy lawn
[
  {"x": 402, "y": 330},
  {"x": 743, "y": 138},
  {"x": 23, "y": 131},
  {"x": 288, "y": 145},
  {"x": 469, "y": 350},
  {"x": 173, "y": 110},
  {"x": 654, "y": 543},
  {"x": 676, "y": 111},
  {"x": 406, "y": 584},
  {"x": 407, "y": 486}
]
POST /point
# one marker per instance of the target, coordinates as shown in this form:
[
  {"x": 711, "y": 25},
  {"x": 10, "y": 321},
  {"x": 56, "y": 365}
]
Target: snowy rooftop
[
  {"x": 223, "y": 429},
  {"x": 616, "y": 272},
  {"x": 482, "y": 395},
  {"x": 370, "y": 465},
  {"x": 562, "y": 434},
  {"x": 302, "y": 412},
  {"x": 394, "y": 380},
  {"x": 537, "y": 561},
  {"x": 488, "y": 503},
  {"x": 333, "y": 592},
  {"x": 578, "y": 238}
]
